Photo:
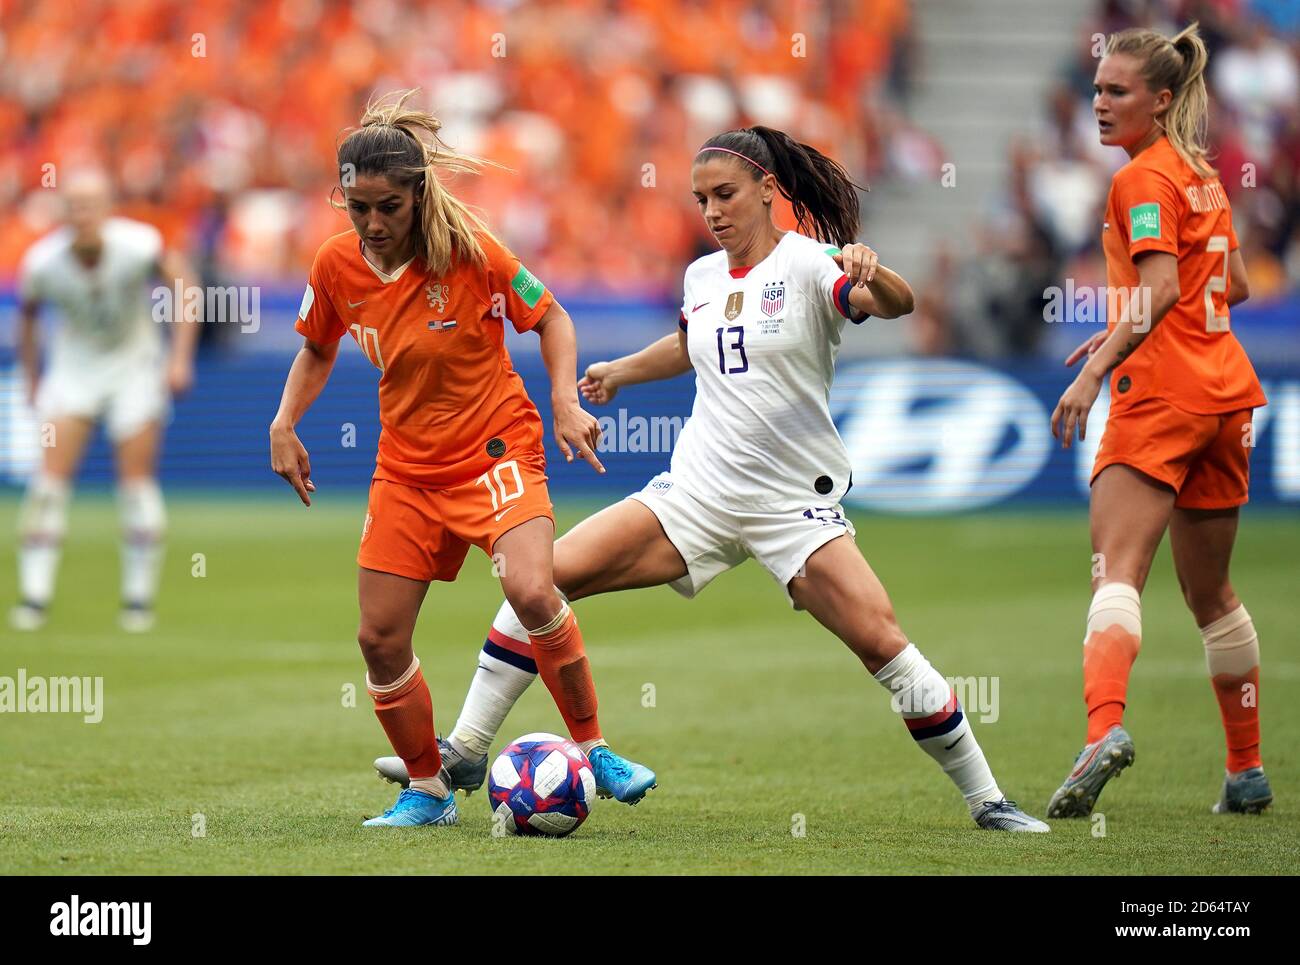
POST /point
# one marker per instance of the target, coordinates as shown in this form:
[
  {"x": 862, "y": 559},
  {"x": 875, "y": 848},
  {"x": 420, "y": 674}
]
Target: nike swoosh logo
[
  {"x": 955, "y": 743},
  {"x": 698, "y": 307},
  {"x": 352, "y": 304},
  {"x": 503, "y": 512}
]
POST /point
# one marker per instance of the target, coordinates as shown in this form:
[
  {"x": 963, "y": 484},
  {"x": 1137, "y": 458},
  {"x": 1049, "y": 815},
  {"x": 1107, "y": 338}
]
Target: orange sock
[
  {"x": 562, "y": 663},
  {"x": 1114, "y": 638},
  {"x": 405, "y": 711},
  {"x": 1232, "y": 658}
]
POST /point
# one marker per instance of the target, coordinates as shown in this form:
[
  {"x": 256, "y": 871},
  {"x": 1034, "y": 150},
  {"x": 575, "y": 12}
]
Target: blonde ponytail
[
  {"x": 1177, "y": 64},
  {"x": 402, "y": 143}
]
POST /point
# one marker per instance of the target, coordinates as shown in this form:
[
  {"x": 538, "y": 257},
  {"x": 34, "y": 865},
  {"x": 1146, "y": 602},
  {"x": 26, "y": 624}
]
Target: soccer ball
[{"x": 541, "y": 784}]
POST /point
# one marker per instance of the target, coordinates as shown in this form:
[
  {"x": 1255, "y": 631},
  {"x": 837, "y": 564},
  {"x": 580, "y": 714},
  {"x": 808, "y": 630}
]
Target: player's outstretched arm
[
  {"x": 307, "y": 376},
  {"x": 664, "y": 359},
  {"x": 574, "y": 427},
  {"x": 876, "y": 290}
]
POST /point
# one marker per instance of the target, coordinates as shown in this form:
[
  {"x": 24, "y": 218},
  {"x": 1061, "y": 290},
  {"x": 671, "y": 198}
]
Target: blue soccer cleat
[
  {"x": 415, "y": 808},
  {"x": 1247, "y": 792},
  {"x": 623, "y": 780},
  {"x": 1096, "y": 764}
]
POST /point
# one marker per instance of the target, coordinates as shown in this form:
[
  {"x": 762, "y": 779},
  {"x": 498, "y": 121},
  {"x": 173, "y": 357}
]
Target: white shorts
[
  {"x": 713, "y": 538},
  {"x": 126, "y": 391}
]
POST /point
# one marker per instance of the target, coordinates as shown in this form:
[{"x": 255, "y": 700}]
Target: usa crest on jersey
[{"x": 773, "y": 299}]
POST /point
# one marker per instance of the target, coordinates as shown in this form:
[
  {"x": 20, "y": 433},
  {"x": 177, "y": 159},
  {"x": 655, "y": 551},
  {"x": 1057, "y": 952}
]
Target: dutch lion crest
[{"x": 438, "y": 295}]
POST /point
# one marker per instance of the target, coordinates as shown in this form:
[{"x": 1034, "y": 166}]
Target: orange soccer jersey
[
  {"x": 1181, "y": 403},
  {"x": 1191, "y": 359},
  {"x": 450, "y": 403}
]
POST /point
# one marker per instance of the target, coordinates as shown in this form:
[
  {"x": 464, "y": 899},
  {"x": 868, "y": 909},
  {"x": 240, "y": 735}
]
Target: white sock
[
  {"x": 505, "y": 669},
  {"x": 932, "y": 714},
  {"x": 144, "y": 519},
  {"x": 42, "y": 522}
]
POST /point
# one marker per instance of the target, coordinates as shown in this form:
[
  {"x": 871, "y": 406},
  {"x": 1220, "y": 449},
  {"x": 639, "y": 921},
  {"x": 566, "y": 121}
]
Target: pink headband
[{"x": 728, "y": 150}]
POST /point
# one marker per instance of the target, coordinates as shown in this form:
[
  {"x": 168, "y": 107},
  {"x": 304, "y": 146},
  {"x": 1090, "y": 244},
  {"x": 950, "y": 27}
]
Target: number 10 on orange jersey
[
  {"x": 502, "y": 486},
  {"x": 361, "y": 334}
]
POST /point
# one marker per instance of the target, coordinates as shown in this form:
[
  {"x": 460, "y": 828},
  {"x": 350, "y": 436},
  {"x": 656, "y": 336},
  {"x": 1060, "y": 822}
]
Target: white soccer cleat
[
  {"x": 460, "y": 773},
  {"x": 136, "y": 618},
  {"x": 1005, "y": 816},
  {"x": 393, "y": 770},
  {"x": 27, "y": 617}
]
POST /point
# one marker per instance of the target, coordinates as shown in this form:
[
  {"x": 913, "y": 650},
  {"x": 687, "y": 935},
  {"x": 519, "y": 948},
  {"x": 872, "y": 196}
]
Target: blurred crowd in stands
[
  {"x": 1044, "y": 227},
  {"x": 218, "y": 119}
]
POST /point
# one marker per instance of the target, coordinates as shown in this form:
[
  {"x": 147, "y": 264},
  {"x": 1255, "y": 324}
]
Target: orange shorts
[
  {"x": 424, "y": 534},
  {"x": 1205, "y": 459}
]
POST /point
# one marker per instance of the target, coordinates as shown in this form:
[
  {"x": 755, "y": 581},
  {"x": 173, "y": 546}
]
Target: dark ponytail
[{"x": 821, "y": 193}]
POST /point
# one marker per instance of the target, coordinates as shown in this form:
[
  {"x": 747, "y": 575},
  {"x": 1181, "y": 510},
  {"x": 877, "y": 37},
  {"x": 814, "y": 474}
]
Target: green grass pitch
[{"x": 228, "y": 746}]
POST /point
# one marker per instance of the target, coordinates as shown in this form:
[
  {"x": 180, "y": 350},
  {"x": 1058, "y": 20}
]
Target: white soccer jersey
[
  {"x": 763, "y": 342},
  {"x": 105, "y": 308}
]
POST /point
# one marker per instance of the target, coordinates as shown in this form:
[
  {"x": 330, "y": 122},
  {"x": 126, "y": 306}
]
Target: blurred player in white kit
[{"x": 109, "y": 362}]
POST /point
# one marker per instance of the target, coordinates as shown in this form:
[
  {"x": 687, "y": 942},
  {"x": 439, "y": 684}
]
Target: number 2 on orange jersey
[{"x": 1217, "y": 283}]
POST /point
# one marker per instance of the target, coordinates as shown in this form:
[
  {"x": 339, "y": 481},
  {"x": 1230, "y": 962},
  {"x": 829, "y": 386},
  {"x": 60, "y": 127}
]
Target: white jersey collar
[{"x": 382, "y": 275}]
